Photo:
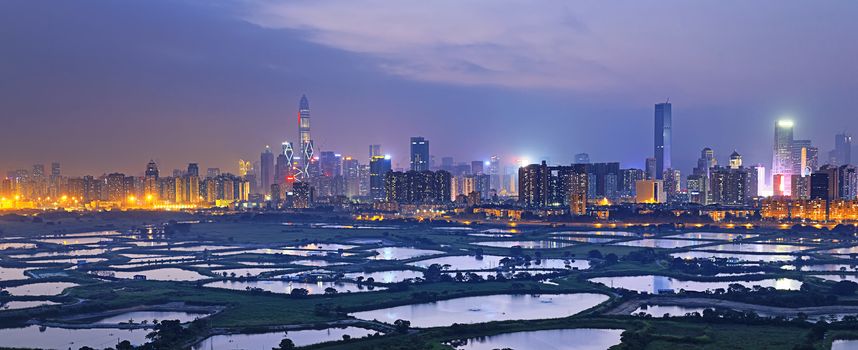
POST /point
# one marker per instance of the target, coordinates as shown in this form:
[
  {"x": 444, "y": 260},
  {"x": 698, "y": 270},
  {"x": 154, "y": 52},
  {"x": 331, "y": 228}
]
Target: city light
[{"x": 785, "y": 123}]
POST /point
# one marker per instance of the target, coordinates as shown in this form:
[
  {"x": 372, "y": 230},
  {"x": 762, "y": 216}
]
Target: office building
[
  {"x": 375, "y": 150},
  {"x": 782, "y": 163},
  {"x": 649, "y": 167},
  {"x": 419, "y": 154},
  {"x": 650, "y": 192},
  {"x": 306, "y": 141},
  {"x": 842, "y": 152},
  {"x": 663, "y": 138}
]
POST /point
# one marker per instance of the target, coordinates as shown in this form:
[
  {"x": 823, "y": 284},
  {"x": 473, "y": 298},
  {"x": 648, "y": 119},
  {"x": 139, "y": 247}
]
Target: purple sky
[{"x": 106, "y": 85}]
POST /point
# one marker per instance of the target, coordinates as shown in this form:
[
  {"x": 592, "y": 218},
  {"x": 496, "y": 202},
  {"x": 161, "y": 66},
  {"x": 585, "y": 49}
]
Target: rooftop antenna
[{"x": 668, "y": 100}]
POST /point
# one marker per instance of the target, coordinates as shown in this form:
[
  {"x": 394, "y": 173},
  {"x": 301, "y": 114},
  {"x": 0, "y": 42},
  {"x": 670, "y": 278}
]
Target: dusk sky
[{"x": 104, "y": 86}]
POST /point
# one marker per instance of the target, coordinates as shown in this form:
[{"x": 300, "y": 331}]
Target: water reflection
[
  {"x": 657, "y": 284},
  {"x": 272, "y": 339},
  {"x": 401, "y": 253},
  {"x": 526, "y": 244},
  {"x": 661, "y": 243},
  {"x": 387, "y": 276},
  {"x": 286, "y": 287},
  {"x": 150, "y": 316},
  {"x": 554, "y": 339},
  {"x": 40, "y": 289},
  {"x": 61, "y": 338},
  {"x": 486, "y": 309}
]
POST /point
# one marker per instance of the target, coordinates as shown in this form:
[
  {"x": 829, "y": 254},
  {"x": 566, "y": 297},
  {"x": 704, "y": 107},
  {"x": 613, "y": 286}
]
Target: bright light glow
[
  {"x": 488, "y": 163},
  {"x": 785, "y": 123},
  {"x": 386, "y": 156}
]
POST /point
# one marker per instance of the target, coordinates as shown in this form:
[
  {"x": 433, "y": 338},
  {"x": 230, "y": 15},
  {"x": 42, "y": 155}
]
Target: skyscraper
[
  {"x": 419, "y": 154},
  {"x": 375, "y": 150},
  {"x": 307, "y": 147},
  {"x": 152, "y": 169},
  {"x": 663, "y": 138},
  {"x": 804, "y": 157},
  {"x": 706, "y": 162},
  {"x": 244, "y": 167},
  {"x": 650, "y": 168},
  {"x": 735, "y": 160},
  {"x": 351, "y": 176},
  {"x": 266, "y": 165},
  {"x": 842, "y": 152},
  {"x": 494, "y": 172},
  {"x": 193, "y": 169},
  {"x": 379, "y": 166},
  {"x": 782, "y": 152}
]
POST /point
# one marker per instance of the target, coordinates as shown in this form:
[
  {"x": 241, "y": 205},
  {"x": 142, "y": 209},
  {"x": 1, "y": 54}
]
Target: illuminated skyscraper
[
  {"x": 804, "y": 157},
  {"x": 494, "y": 172},
  {"x": 307, "y": 147},
  {"x": 379, "y": 166},
  {"x": 244, "y": 167},
  {"x": 735, "y": 160},
  {"x": 150, "y": 183},
  {"x": 672, "y": 184},
  {"x": 351, "y": 176},
  {"x": 782, "y": 152},
  {"x": 419, "y": 154},
  {"x": 663, "y": 138},
  {"x": 266, "y": 165}
]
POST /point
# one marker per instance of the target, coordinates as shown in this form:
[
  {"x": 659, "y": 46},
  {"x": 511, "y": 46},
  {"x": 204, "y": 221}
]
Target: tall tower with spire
[{"x": 307, "y": 148}]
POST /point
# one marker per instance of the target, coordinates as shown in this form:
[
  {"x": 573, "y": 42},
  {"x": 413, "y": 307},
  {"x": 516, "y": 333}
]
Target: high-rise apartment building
[{"x": 379, "y": 166}]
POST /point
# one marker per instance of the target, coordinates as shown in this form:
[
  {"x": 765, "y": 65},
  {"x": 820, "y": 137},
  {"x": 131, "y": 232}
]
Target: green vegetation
[{"x": 259, "y": 311}]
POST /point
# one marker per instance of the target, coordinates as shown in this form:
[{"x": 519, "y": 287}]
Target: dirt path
[{"x": 630, "y": 306}]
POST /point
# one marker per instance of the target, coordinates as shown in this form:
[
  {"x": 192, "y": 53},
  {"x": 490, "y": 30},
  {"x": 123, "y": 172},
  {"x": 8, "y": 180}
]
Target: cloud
[
  {"x": 497, "y": 42},
  {"x": 667, "y": 48}
]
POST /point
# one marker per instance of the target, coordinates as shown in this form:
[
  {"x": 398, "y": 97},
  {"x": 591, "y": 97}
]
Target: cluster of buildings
[
  {"x": 300, "y": 175},
  {"x": 183, "y": 189}
]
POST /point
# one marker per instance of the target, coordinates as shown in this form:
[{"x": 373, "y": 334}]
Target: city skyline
[{"x": 191, "y": 101}]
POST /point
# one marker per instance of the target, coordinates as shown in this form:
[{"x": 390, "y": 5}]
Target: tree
[
  {"x": 402, "y": 326},
  {"x": 299, "y": 292},
  {"x": 124, "y": 345},
  {"x": 594, "y": 254},
  {"x": 611, "y": 258},
  {"x": 167, "y": 335},
  {"x": 285, "y": 344},
  {"x": 330, "y": 291},
  {"x": 86, "y": 348},
  {"x": 844, "y": 288}
]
